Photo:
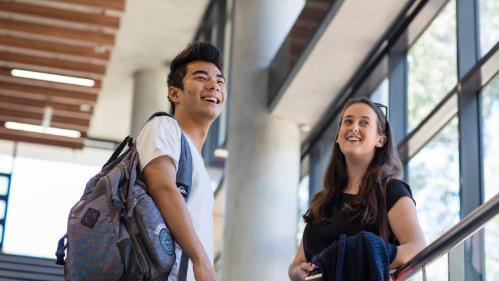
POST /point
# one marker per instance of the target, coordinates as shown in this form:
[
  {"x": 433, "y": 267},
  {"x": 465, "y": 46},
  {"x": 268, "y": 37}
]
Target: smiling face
[
  {"x": 203, "y": 94},
  {"x": 359, "y": 135}
]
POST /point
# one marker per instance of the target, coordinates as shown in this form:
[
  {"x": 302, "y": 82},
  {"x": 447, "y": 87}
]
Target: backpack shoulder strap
[
  {"x": 184, "y": 183},
  {"x": 184, "y": 172},
  {"x": 160, "y": 113}
]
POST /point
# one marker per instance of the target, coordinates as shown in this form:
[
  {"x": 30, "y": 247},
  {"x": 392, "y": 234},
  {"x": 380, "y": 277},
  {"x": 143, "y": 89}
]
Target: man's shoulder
[{"x": 162, "y": 127}]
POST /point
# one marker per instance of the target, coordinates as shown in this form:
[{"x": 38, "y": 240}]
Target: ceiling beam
[
  {"x": 52, "y": 63},
  {"x": 95, "y": 37},
  {"x": 67, "y": 122},
  {"x": 117, "y": 5},
  {"x": 47, "y": 139},
  {"x": 84, "y": 117},
  {"x": 47, "y": 92},
  {"x": 60, "y": 14},
  {"x": 38, "y": 105},
  {"x": 50, "y": 47}
]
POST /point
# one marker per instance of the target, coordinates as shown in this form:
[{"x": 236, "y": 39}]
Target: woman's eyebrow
[{"x": 351, "y": 116}]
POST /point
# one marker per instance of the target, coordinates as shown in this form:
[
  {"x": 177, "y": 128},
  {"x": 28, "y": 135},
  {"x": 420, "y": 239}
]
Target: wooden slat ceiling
[{"x": 65, "y": 37}]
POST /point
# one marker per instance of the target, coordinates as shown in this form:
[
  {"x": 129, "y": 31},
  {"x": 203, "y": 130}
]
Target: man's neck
[{"x": 196, "y": 130}]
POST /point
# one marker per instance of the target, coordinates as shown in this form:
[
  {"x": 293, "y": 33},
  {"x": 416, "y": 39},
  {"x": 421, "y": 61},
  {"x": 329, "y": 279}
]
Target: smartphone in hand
[{"x": 314, "y": 274}]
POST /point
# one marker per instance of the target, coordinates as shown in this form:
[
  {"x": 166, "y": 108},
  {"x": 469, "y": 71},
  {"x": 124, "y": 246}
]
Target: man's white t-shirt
[{"x": 161, "y": 136}]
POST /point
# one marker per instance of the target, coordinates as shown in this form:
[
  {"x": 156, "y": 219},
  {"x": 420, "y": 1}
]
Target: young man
[{"x": 196, "y": 90}]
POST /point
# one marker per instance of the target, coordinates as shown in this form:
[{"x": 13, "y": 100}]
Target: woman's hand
[
  {"x": 299, "y": 268},
  {"x": 301, "y": 271}
]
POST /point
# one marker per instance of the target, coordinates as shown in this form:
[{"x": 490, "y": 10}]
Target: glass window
[
  {"x": 432, "y": 66},
  {"x": 4, "y": 184},
  {"x": 490, "y": 117},
  {"x": 380, "y": 95},
  {"x": 439, "y": 269},
  {"x": 2, "y": 209},
  {"x": 303, "y": 197},
  {"x": 435, "y": 184},
  {"x": 492, "y": 250},
  {"x": 418, "y": 276},
  {"x": 46, "y": 183},
  {"x": 6, "y": 152},
  {"x": 489, "y": 24}
]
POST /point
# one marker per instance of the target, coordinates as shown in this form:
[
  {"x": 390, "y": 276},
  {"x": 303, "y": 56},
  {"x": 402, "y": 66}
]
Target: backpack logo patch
[
  {"x": 90, "y": 218},
  {"x": 166, "y": 242}
]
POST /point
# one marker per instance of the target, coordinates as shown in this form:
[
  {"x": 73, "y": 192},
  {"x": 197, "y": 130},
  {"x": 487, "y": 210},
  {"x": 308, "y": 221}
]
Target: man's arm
[{"x": 160, "y": 175}]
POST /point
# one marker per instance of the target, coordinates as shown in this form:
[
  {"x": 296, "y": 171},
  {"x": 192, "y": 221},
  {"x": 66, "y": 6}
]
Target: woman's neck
[{"x": 356, "y": 170}]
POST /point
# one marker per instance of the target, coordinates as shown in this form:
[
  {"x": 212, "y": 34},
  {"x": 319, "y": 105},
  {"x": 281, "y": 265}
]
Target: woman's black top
[{"x": 318, "y": 237}]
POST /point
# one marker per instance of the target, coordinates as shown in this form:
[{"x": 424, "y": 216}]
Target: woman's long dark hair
[{"x": 370, "y": 203}]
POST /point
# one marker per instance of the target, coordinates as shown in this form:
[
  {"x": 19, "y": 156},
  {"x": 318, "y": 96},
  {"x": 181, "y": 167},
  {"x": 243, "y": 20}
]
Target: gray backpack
[{"x": 115, "y": 231}]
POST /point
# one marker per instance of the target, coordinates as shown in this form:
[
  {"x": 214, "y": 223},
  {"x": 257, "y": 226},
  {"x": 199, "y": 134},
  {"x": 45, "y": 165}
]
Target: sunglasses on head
[{"x": 383, "y": 109}]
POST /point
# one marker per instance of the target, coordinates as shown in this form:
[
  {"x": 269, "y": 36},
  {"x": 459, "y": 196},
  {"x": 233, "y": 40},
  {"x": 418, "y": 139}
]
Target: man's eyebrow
[
  {"x": 206, "y": 73},
  {"x": 200, "y": 72}
]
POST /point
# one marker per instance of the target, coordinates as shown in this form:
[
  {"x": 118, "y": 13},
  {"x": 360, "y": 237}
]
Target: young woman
[{"x": 362, "y": 191}]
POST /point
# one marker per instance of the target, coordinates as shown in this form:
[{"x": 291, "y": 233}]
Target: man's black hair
[{"x": 196, "y": 51}]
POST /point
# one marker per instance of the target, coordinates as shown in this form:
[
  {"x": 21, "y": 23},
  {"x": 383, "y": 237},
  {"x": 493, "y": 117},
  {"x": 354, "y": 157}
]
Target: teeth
[
  {"x": 353, "y": 139},
  {"x": 211, "y": 99}
]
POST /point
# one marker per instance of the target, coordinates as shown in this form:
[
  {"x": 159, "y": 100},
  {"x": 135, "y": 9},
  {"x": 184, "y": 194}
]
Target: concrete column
[
  {"x": 150, "y": 94},
  {"x": 264, "y": 152}
]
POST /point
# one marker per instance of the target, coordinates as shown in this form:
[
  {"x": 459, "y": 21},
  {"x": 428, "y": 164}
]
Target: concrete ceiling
[
  {"x": 319, "y": 77},
  {"x": 152, "y": 32}
]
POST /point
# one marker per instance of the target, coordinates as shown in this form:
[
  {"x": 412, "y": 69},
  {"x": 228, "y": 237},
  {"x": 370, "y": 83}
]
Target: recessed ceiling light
[
  {"x": 221, "y": 152},
  {"x": 305, "y": 128},
  {"x": 85, "y": 107},
  {"x": 52, "y": 77},
  {"x": 41, "y": 129}
]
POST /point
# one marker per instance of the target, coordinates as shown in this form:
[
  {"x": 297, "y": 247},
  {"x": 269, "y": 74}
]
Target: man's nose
[{"x": 212, "y": 84}]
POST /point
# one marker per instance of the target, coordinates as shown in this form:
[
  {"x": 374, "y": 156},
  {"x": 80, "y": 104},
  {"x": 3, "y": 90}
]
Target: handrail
[{"x": 458, "y": 233}]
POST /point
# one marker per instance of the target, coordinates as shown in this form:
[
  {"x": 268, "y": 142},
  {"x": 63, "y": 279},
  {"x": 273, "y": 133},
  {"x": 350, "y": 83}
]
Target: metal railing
[{"x": 450, "y": 239}]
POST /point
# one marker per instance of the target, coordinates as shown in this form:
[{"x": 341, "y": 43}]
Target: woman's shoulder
[
  {"x": 395, "y": 183},
  {"x": 396, "y": 189}
]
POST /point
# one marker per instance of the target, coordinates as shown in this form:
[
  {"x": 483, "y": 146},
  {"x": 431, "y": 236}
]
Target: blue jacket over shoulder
[{"x": 360, "y": 257}]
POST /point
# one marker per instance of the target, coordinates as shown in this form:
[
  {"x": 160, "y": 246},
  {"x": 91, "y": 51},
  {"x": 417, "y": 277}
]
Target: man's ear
[
  {"x": 173, "y": 94},
  {"x": 381, "y": 141}
]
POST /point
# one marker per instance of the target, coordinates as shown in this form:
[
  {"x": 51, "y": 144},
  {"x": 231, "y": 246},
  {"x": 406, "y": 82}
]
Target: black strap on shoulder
[
  {"x": 184, "y": 183},
  {"x": 126, "y": 142},
  {"x": 160, "y": 113},
  {"x": 184, "y": 172}
]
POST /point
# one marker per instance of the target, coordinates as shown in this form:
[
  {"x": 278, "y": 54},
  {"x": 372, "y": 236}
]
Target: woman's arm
[
  {"x": 300, "y": 267},
  {"x": 404, "y": 223}
]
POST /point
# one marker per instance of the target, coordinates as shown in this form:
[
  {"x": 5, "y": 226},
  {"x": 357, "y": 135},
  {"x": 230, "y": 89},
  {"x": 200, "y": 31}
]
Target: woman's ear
[{"x": 381, "y": 141}]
